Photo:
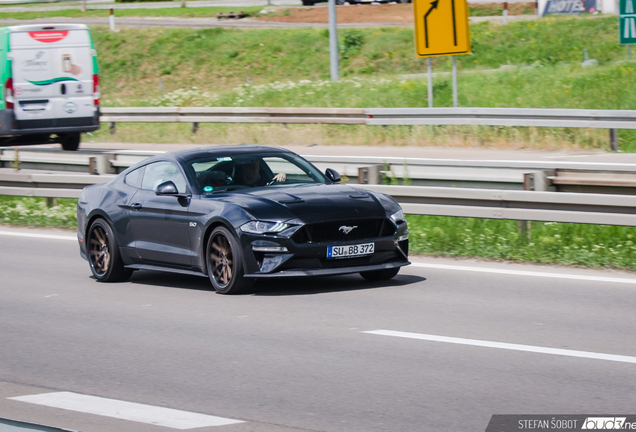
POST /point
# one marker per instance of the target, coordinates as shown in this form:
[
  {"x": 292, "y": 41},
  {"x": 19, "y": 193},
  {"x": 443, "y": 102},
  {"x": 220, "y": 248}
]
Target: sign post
[
  {"x": 441, "y": 29},
  {"x": 333, "y": 42}
]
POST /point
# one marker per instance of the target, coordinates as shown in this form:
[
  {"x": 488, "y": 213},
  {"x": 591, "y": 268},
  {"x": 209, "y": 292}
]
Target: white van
[{"x": 50, "y": 84}]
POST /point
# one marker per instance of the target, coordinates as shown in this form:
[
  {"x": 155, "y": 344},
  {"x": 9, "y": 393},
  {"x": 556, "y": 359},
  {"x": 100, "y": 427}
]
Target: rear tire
[
  {"x": 70, "y": 142},
  {"x": 225, "y": 263},
  {"x": 308, "y": 2},
  {"x": 103, "y": 254},
  {"x": 380, "y": 275}
]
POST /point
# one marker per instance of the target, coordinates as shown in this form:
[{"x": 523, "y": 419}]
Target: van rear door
[{"x": 52, "y": 76}]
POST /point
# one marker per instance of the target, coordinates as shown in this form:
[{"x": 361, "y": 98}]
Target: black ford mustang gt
[{"x": 237, "y": 214}]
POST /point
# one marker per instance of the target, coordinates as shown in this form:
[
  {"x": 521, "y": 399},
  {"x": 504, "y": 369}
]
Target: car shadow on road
[
  {"x": 331, "y": 284},
  {"x": 276, "y": 287}
]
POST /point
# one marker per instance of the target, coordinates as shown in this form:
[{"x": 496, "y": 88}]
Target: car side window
[
  {"x": 133, "y": 178},
  {"x": 161, "y": 172}
]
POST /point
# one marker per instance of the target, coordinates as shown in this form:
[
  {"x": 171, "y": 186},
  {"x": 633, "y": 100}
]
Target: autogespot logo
[
  {"x": 70, "y": 107},
  {"x": 604, "y": 423}
]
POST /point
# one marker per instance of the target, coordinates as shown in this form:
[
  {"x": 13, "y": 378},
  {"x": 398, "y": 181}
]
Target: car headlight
[
  {"x": 398, "y": 217},
  {"x": 261, "y": 227}
]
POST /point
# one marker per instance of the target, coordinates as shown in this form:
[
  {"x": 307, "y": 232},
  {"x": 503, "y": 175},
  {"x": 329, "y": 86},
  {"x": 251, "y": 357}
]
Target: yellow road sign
[{"x": 441, "y": 27}]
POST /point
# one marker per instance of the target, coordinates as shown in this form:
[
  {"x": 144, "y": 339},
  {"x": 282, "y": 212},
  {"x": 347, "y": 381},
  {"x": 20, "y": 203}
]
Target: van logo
[
  {"x": 49, "y": 36},
  {"x": 70, "y": 107}
]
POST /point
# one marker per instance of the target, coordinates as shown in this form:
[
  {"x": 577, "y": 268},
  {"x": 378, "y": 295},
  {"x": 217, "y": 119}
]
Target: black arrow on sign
[
  {"x": 433, "y": 6},
  {"x": 454, "y": 23}
]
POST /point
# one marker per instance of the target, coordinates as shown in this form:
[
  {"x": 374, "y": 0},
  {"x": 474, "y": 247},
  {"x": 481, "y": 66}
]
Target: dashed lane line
[
  {"x": 122, "y": 410},
  {"x": 506, "y": 346}
]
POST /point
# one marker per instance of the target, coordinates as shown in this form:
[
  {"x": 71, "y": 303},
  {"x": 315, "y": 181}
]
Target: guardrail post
[
  {"x": 100, "y": 164},
  {"x": 505, "y": 13},
  {"x": 112, "y": 128},
  {"x": 614, "y": 139},
  {"x": 51, "y": 202},
  {"x": 16, "y": 159},
  {"x": 111, "y": 19},
  {"x": 534, "y": 181},
  {"x": 195, "y": 127},
  {"x": 370, "y": 175}
]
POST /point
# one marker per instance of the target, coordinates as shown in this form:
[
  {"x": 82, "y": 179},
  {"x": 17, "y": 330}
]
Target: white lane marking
[
  {"x": 126, "y": 410},
  {"x": 525, "y": 273},
  {"x": 40, "y": 236},
  {"x": 506, "y": 346}
]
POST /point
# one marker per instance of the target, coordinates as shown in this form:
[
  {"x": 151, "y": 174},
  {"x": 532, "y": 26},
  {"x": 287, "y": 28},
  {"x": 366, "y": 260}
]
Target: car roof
[{"x": 214, "y": 151}]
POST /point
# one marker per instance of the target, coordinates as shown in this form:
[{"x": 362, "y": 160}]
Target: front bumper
[
  {"x": 290, "y": 259},
  {"x": 328, "y": 272}
]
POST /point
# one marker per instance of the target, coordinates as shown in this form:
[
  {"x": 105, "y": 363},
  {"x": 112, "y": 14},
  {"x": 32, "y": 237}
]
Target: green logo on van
[{"x": 52, "y": 81}]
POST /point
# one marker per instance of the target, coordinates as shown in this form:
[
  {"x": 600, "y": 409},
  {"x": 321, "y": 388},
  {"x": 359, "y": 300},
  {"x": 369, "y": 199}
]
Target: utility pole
[{"x": 333, "y": 41}]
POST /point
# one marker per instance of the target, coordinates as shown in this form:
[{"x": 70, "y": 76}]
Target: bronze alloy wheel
[
  {"x": 99, "y": 250},
  {"x": 103, "y": 253},
  {"x": 225, "y": 263},
  {"x": 221, "y": 258}
]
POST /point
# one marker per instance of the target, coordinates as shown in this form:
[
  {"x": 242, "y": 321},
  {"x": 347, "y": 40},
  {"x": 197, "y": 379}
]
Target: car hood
[{"x": 308, "y": 204}]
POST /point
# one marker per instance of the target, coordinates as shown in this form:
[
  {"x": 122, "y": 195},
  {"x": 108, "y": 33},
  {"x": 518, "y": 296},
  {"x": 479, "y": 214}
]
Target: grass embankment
[
  {"x": 550, "y": 243},
  {"x": 227, "y": 67},
  {"x": 176, "y": 12}
]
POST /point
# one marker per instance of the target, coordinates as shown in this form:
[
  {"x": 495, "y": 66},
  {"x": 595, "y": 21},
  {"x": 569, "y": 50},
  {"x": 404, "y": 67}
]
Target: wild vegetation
[{"x": 227, "y": 67}]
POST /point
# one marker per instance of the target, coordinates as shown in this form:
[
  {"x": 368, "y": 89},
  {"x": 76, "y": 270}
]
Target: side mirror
[
  {"x": 333, "y": 175},
  {"x": 167, "y": 188}
]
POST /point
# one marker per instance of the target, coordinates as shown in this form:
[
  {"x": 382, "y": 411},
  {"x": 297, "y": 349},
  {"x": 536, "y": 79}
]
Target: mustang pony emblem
[{"x": 347, "y": 229}]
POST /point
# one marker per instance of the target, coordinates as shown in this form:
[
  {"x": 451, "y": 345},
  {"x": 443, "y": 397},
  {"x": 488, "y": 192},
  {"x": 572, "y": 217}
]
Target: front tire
[
  {"x": 380, "y": 275},
  {"x": 103, "y": 254},
  {"x": 225, "y": 263}
]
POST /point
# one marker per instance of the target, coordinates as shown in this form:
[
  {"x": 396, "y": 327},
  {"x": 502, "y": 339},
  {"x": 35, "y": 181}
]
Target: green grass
[
  {"x": 221, "y": 58},
  {"x": 549, "y": 243},
  {"x": 34, "y": 212},
  {"x": 291, "y": 68},
  {"x": 557, "y": 86},
  {"x": 177, "y": 12}
]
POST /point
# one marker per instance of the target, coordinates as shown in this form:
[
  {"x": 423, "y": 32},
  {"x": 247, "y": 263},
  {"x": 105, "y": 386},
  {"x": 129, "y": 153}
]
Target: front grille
[
  {"x": 51, "y": 123},
  {"x": 323, "y": 232}
]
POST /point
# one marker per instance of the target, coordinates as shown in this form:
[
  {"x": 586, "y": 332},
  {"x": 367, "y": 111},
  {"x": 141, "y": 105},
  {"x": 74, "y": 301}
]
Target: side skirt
[{"x": 164, "y": 269}]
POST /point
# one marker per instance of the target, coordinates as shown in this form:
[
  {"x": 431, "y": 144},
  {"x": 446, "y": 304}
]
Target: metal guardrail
[
  {"x": 601, "y": 209},
  {"x": 582, "y": 177},
  {"x": 539, "y": 117}
]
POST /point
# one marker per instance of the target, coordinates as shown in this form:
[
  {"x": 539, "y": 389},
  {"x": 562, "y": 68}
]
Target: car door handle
[{"x": 136, "y": 206}]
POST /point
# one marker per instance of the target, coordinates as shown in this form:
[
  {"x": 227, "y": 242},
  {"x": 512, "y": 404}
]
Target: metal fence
[
  {"x": 523, "y": 117},
  {"x": 604, "y": 209}
]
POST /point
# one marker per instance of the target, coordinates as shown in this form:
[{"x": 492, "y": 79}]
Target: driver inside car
[{"x": 249, "y": 174}]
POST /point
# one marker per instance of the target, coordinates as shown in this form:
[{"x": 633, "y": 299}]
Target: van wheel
[
  {"x": 308, "y": 2},
  {"x": 70, "y": 142}
]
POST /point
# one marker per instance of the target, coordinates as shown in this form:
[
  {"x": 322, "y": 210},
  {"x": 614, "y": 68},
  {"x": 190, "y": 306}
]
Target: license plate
[
  {"x": 350, "y": 250},
  {"x": 33, "y": 107}
]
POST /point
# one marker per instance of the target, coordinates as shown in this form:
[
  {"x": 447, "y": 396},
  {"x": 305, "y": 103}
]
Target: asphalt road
[{"x": 296, "y": 355}]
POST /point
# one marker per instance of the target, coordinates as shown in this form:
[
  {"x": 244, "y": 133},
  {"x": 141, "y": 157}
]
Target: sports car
[{"x": 237, "y": 214}]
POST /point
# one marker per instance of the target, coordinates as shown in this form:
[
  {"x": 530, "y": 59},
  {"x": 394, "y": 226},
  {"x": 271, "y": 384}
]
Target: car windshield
[{"x": 235, "y": 172}]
